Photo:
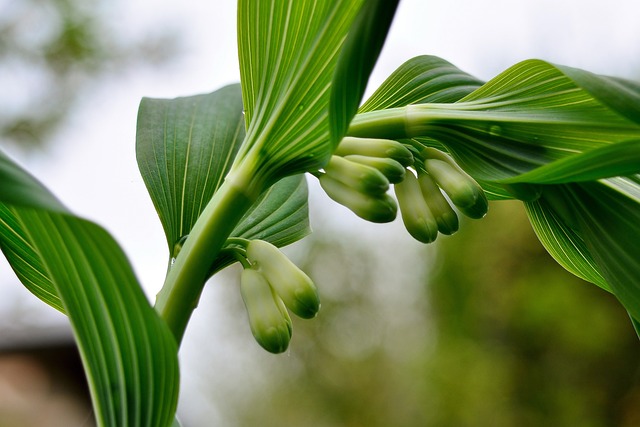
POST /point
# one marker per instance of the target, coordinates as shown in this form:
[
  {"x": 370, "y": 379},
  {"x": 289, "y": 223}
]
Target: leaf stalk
[{"x": 187, "y": 276}]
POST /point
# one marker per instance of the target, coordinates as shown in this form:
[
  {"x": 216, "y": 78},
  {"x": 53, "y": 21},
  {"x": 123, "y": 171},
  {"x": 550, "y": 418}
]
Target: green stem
[
  {"x": 385, "y": 124},
  {"x": 184, "y": 283},
  {"x": 421, "y": 119}
]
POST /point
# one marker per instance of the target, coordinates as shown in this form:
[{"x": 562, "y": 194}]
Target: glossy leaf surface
[
  {"x": 185, "y": 147},
  {"x": 129, "y": 354},
  {"x": 420, "y": 80},
  {"x": 356, "y": 61},
  {"x": 288, "y": 52}
]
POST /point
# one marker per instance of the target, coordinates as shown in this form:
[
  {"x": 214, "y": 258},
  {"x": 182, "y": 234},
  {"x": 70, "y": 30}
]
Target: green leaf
[
  {"x": 420, "y": 80},
  {"x": 563, "y": 243},
  {"x": 24, "y": 259},
  {"x": 618, "y": 159},
  {"x": 185, "y": 147},
  {"x": 356, "y": 61},
  {"x": 288, "y": 51},
  {"x": 608, "y": 216},
  {"x": 281, "y": 216},
  {"x": 620, "y": 95},
  {"x": 528, "y": 116},
  {"x": 129, "y": 354},
  {"x": 20, "y": 188},
  {"x": 593, "y": 230}
]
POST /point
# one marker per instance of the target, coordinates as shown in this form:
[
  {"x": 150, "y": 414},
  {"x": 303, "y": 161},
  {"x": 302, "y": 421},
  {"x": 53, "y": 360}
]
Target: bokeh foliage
[
  {"x": 499, "y": 335},
  {"x": 52, "y": 53}
]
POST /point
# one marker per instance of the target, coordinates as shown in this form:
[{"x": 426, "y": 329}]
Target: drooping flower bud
[
  {"x": 416, "y": 215},
  {"x": 390, "y": 168},
  {"x": 358, "y": 176},
  {"x": 385, "y": 148},
  {"x": 461, "y": 188},
  {"x": 442, "y": 211},
  {"x": 293, "y": 286},
  {"x": 268, "y": 317},
  {"x": 380, "y": 208}
]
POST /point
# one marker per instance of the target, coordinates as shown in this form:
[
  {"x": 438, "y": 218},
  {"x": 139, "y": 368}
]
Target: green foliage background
[{"x": 499, "y": 335}]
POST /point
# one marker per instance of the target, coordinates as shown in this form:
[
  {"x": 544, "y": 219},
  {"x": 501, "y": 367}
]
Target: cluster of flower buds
[
  {"x": 359, "y": 173},
  {"x": 269, "y": 286},
  {"x": 361, "y": 169},
  {"x": 425, "y": 210}
]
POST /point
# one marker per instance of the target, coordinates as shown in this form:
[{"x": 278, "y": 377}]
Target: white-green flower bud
[
  {"x": 297, "y": 290},
  {"x": 463, "y": 190},
  {"x": 381, "y": 208},
  {"x": 416, "y": 215},
  {"x": 385, "y": 148},
  {"x": 268, "y": 318},
  {"x": 360, "y": 177},
  {"x": 390, "y": 168},
  {"x": 442, "y": 211}
]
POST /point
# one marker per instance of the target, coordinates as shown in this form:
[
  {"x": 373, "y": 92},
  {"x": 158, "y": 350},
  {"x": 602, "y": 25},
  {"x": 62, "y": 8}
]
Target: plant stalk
[{"x": 187, "y": 276}]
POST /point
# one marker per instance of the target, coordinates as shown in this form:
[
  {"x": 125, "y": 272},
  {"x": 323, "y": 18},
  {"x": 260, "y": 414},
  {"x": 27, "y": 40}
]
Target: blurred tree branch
[{"x": 53, "y": 52}]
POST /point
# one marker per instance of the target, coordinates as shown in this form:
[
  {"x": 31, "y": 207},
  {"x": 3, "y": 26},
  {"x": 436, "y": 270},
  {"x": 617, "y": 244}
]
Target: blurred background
[{"x": 479, "y": 329}]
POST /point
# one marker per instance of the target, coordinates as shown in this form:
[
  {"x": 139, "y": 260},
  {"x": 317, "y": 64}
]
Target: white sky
[{"x": 92, "y": 168}]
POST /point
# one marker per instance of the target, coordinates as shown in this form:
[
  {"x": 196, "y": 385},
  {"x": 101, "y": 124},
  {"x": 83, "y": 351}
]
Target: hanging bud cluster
[
  {"x": 425, "y": 210},
  {"x": 270, "y": 285},
  {"x": 361, "y": 171}
]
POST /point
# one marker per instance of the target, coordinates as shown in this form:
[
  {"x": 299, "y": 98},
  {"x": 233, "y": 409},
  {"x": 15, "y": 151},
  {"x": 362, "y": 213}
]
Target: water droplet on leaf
[
  {"x": 178, "y": 247},
  {"x": 495, "y": 130}
]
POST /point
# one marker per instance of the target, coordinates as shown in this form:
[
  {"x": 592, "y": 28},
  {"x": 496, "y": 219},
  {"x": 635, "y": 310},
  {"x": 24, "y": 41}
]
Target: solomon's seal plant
[{"x": 226, "y": 173}]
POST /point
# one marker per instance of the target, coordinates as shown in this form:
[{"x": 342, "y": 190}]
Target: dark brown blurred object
[{"x": 43, "y": 387}]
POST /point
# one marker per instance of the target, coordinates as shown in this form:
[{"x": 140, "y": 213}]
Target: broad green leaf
[
  {"x": 281, "y": 216},
  {"x": 356, "y": 61},
  {"x": 20, "y": 188},
  {"x": 185, "y": 147},
  {"x": 620, "y": 95},
  {"x": 593, "y": 230},
  {"x": 530, "y": 115},
  {"x": 562, "y": 242},
  {"x": 420, "y": 80},
  {"x": 618, "y": 159},
  {"x": 288, "y": 51},
  {"x": 129, "y": 354},
  {"x": 526, "y": 117},
  {"x": 608, "y": 215},
  {"x": 25, "y": 260}
]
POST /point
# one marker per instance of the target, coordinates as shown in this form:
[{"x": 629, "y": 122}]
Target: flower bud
[
  {"x": 416, "y": 215},
  {"x": 381, "y": 208},
  {"x": 442, "y": 211},
  {"x": 463, "y": 190},
  {"x": 297, "y": 290},
  {"x": 270, "y": 323},
  {"x": 392, "y": 169},
  {"x": 385, "y": 148},
  {"x": 360, "y": 177}
]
